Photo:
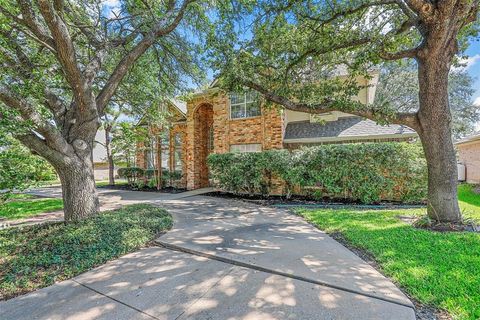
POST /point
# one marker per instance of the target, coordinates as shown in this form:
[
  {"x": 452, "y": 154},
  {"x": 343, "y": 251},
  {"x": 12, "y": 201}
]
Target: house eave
[
  {"x": 350, "y": 138},
  {"x": 468, "y": 141},
  {"x": 205, "y": 92}
]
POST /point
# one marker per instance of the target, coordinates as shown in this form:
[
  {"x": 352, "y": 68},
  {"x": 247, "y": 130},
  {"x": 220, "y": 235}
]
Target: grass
[
  {"x": 38, "y": 256},
  {"x": 103, "y": 183},
  {"x": 24, "y": 206},
  {"x": 469, "y": 201},
  {"x": 439, "y": 269}
]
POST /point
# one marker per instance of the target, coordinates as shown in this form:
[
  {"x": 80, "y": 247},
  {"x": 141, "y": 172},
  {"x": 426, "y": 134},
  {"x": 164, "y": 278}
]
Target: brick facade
[
  {"x": 469, "y": 155},
  {"x": 209, "y": 115},
  {"x": 206, "y": 111}
]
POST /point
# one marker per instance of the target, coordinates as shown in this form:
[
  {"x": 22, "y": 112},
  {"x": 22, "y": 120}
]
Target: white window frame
[
  {"x": 246, "y": 147},
  {"x": 243, "y": 104}
]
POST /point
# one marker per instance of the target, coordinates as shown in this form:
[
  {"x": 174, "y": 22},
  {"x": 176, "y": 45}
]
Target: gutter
[{"x": 348, "y": 138}]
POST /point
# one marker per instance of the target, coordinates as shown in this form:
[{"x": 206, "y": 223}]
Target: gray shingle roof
[
  {"x": 470, "y": 138},
  {"x": 347, "y": 127}
]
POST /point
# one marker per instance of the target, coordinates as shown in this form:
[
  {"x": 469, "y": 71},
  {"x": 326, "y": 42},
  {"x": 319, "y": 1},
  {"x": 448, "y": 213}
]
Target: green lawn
[
  {"x": 24, "y": 206},
  {"x": 103, "y": 183},
  {"x": 439, "y": 269},
  {"x": 469, "y": 201},
  {"x": 37, "y": 256}
]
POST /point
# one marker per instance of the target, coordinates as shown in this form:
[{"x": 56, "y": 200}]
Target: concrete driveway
[{"x": 224, "y": 260}]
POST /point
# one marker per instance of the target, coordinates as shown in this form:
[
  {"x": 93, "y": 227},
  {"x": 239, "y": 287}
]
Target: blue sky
[
  {"x": 472, "y": 62},
  {"x": 473, "y": 66}
]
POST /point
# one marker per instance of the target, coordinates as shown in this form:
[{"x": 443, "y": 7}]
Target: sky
[
  {"x": 472, "y": 61},
  {"x": 473, "y": 66}
]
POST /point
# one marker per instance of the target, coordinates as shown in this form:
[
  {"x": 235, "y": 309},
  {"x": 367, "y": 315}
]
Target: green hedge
[
  {"x": 136, "y": 176},
  {"x": 367, "y": 172}
]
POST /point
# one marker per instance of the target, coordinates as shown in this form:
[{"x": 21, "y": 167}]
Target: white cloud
[
  {"x": 476, "y": 102},
  {"x": 111, "y": 8},
  {"x": 111, "y": 3},
  {"x": 467, "y": 63}
]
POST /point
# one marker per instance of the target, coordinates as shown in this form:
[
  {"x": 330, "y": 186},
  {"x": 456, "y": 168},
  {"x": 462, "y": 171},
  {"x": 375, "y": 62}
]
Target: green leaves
[
  {"x": 368, "y": 172},
  {"x": 19, "y": 169},
  {"x": 36, "y": 256}
]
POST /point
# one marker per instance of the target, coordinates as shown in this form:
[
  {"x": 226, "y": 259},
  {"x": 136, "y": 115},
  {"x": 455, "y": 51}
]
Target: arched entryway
[{"x": 202, "y": 143}]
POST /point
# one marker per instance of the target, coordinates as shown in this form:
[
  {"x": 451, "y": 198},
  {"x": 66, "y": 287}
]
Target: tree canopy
[
  {"x": 398, "y": 86},
  {"x": 63, "y": 62},
  {"x": 306, "y": 55},
  {"x": 309, "y": 55}
]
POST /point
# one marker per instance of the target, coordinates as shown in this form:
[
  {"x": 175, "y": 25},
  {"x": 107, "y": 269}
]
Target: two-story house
[{"x": 216, "y": 122}]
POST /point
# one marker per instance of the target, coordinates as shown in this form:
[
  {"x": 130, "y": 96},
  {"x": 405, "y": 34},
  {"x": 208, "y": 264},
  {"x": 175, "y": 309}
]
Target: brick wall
[
  {"x": 266, "y": 129},
  {"x": 469, "y": 155}
]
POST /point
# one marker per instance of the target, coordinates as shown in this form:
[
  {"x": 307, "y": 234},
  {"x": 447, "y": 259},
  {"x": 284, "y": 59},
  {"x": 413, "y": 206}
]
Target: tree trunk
[
  {"x": 159, "y": 162},
  {"x": 436, "y": 135},
  {"x": 111, "y": 165},
  {"x": 80, "y": 198}
]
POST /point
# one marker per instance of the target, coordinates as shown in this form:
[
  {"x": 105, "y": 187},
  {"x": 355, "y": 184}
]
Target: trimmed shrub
[
  {"x": 139, "y": 178},
  {"x": 367, "y": 172},
  {"x": 132, "y": 174}
]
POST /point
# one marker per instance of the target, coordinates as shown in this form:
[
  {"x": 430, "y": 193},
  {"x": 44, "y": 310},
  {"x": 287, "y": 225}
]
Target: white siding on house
[{"x": 99, "y": 151}]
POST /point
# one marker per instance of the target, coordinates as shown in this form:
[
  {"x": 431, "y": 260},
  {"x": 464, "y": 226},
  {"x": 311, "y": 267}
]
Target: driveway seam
[
  {"x": 116, "y": 300},
  {"x": 203, "y": 295},
  {"x": 271, "y": 271}
]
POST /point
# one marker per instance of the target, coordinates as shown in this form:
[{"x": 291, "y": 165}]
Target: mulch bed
[
  {"x": 297, "y": 200},
  {"x": 144, "y": 189},
  {"x": 440, "y": 227}
]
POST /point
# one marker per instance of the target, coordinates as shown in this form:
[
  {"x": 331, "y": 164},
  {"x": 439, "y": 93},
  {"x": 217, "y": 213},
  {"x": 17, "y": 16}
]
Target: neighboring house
[
  {"x": 99, "y": 156},
  {"x": 469, "y": 155},
  {"x": 215, "y": 122}
]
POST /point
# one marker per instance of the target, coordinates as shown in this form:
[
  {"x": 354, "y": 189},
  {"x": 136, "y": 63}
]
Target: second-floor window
[{"x": 244, "y": 105}]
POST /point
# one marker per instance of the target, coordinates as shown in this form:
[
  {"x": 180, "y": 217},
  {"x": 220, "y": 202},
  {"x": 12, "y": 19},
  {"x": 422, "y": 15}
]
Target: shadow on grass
[{"x": 436, "y": 268}]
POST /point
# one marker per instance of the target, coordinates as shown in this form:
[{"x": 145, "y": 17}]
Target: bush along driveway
[
  {"x": 37, "y": 256},
  {"x": 438, "y": 269}
]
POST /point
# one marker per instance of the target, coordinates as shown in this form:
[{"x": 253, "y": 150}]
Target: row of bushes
[
  {"x": 367, "y": 173},
  {"x": 138, "y": 176}
]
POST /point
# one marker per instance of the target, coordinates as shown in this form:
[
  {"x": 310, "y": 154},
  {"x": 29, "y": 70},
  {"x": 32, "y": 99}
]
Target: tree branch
[
  {"x": 40, "y": 146},
  {"x": 328, "y": 105},
  {"x": 409, "y": 53},
  {"x": 29, "y": 113},
  {"x": 163, "y": 27},
  {"x": 66, "y": 54},
  {"x": 423, "y": 8},
  {"x": 31, "y": 22},
  {"x": 56, "y": 105}
]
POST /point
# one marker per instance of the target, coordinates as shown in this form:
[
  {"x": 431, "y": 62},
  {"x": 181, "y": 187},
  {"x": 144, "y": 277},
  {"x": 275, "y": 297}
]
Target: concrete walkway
[
  {"x": 224, "y": 259},
  {"x": 109, "y": 199}
]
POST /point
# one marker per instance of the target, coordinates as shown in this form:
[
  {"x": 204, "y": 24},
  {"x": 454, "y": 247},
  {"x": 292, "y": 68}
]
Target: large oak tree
[
  {"x": 55, "y": 82},
  {"x": 306, "y": 56}
]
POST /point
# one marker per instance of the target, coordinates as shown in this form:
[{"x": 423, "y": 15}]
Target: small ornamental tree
[
  {"x": 61, "y": 64},
  {"x": 307, "y": 56}
]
